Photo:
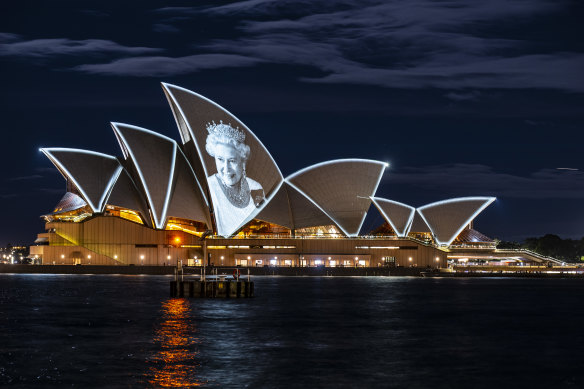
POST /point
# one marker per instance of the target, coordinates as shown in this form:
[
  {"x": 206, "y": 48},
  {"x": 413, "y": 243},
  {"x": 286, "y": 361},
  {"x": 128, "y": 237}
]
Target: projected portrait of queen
[{"x": 235, "y": 196}]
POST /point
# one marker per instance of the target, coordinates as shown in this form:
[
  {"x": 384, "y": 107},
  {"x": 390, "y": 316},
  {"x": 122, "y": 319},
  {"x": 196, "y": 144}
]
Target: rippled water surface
[{"x": 124, "y": 331}]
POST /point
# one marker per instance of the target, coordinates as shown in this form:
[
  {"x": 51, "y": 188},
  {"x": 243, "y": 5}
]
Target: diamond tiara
[{"x": 222, "y": 129}]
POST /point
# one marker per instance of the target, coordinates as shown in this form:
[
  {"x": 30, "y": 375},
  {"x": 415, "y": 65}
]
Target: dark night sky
[{"x": 462, "y": 98}]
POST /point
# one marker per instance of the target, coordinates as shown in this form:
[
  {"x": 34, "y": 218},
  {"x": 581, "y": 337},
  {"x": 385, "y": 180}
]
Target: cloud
[
  {"x": 258, "y": 6},
  {"x": 412, "y": 45},
  {"x": 167, "y": 66},
  {"x": 174, "y": 10},
  {"x": 539, "y": 123},
  {"x": 8, "y": 37},
  {"x": 51, "y": 190},
  {"x": 464, "y": 96},
  {"x": 458, "y": 45},
  {"x": 165, "y": 28},
  {"x": 46, "y": 170},
  {"x": 474, "y": 179},
  {"x": 559, "y": 71},
  {"x": 46, "y": 48},
  {"x": 24, "y": 178}
]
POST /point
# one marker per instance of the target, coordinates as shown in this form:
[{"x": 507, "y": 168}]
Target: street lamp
[{"x": 176, "y": 243}]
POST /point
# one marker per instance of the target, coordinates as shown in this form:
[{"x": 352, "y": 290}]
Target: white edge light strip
[
  {"x": 110, "y": 187},
  {"x": 122, "y": 145},
  {"x": 402, "y": 233},
  {"x": 384, "y": 165},
  {"x": 159, "y": 222},
  {"x": 167, "y": 88},
  {"x": 336, "y": 161},
  {"x": 174, "y": 107},
  {"x": 174, "y": 104},
  {"x": 48, "y": 152},
  {"x": 487, "y": 200},
  {"x": 194, "y": 175},
  {"x": 169, "y": 185}
]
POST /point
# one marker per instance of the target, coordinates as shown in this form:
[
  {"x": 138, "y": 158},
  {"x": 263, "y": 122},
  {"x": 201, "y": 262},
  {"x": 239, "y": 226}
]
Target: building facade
[{"x": 218, "y": 197}]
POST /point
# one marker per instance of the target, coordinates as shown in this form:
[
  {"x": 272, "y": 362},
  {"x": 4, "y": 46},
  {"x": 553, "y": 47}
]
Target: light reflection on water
[
  {"x": 175, "y": 362},
  {"x": 297, "y": 332}
]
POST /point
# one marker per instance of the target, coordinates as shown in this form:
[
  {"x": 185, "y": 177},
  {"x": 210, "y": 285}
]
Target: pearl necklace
[{"x": 238, "y": 194}]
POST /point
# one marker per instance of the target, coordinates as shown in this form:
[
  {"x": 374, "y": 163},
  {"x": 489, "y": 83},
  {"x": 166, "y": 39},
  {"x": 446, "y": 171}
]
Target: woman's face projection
[{"x": 229, "y": 164}]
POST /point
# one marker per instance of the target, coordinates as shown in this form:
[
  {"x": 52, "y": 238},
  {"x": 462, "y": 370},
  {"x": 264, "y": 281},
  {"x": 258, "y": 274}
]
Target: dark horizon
[{"x": 462, "y": 99}]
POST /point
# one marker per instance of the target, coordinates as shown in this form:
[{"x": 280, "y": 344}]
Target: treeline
[{"x": 550, "y": 245}]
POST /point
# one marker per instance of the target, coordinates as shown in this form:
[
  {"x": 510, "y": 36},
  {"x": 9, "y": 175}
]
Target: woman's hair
[{"x": 225, "y": 134}]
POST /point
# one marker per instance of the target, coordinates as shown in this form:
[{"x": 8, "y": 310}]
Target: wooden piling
[{"x": 211, "y": 289}]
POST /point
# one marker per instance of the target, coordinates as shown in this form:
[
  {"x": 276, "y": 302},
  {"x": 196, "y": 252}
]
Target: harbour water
[{"x": 298, "y": 332}]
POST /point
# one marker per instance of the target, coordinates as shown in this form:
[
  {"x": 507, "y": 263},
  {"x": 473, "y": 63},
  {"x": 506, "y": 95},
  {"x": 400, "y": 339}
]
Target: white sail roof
[
  {"x": 448, "y": 218},
  {"x": 158, "y": 162},
  {"x": 418, "y": 224},
  {"x": 397, "y": 214},
  {"x": 342, "y": 189},
  {"x": 194, "y": 115},
  {"x": 93, "y": 174},
  {"x": 127, "y": 195},
  {"x": 293, "y": 209}
]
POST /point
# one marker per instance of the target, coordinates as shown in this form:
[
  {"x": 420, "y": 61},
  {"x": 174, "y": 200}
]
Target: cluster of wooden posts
[{"x": 213, "y": 289}]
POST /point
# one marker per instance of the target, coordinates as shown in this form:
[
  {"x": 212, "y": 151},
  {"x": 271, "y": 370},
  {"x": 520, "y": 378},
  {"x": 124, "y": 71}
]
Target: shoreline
[
  {"x": 272, "y": 271},
  {"x": 169, "y": 270}
]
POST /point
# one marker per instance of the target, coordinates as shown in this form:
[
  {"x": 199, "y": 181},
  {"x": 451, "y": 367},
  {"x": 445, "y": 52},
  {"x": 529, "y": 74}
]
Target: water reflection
[{"x": 174, "y": 364}]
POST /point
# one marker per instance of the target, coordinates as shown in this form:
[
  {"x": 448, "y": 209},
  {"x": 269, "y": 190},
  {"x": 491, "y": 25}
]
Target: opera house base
[
  {"x": 216, "y": 288},
  {"x": 319, "y": 271}
]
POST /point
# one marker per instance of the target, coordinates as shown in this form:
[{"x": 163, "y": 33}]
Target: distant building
[{"x": 218, "y": 194}]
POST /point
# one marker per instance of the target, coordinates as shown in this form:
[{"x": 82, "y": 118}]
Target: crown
[{"x": 222, "y": 129}]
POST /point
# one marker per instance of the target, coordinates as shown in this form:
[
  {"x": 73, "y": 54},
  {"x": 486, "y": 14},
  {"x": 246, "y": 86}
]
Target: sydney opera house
[{"x": 218, "y": 197}]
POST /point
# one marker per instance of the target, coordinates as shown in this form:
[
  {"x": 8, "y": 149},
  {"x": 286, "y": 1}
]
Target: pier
[{"x": 211, "y": 286}]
